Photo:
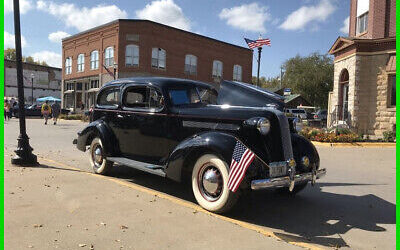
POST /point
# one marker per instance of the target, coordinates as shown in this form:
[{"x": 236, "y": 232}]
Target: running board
[{"x": 146, "y": 167}]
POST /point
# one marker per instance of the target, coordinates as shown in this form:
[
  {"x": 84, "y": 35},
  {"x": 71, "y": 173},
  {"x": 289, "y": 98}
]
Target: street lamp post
[
  {"x": 23, "y": 152},
  {"x": 32, "y": 76},
  {"x": 115, "y": 70}
]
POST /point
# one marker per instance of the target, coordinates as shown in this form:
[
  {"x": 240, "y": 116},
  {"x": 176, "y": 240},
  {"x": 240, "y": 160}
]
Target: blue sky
[{"x": 294, "y": 26}]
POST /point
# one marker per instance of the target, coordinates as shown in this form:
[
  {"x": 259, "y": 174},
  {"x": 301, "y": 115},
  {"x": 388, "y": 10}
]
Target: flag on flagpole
[
  {"x": 108, "y": 71},
  {"x": 258, "y": 43},
  {"x": 241, "y": 159}
]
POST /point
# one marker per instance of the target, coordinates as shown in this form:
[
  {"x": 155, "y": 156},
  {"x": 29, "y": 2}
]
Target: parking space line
[{"x": 258, "y": 229}]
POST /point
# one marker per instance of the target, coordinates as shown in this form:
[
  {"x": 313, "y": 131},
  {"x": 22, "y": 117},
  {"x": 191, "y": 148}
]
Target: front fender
[
  {"x": 99, "y": 129},
  {"x": 303, "y": 147},
  {"x": 185, "y": 154}
]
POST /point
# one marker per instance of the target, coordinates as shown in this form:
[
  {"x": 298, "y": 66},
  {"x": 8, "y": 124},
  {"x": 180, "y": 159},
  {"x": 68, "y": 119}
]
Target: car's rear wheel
[
  {"x": 98, "y": 162},
  {"x": 210, "y": 184}
]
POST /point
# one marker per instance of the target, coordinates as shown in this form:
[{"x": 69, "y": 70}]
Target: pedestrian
[
  {"x": 55, "y": 111},
  {"x": 46, "y": 111},
  {"x": 12, "y": 104},
  {"x": 7, "y": 108}
]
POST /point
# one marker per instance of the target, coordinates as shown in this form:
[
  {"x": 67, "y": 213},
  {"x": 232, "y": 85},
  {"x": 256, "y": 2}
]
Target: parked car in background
[
  {"x": 300, "y": 113},
  {"x": 30, "y": 110},
  {"x": 187, "y": 130}
]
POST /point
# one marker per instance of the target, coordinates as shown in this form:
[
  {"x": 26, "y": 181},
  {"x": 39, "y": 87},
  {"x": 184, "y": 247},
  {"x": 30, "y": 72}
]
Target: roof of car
[{"x": 161, "y": 82}]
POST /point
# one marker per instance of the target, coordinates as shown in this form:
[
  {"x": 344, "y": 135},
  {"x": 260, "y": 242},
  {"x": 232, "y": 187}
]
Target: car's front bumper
[{"x": 286, "y": 181}]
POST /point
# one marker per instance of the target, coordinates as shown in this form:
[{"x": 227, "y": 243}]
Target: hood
[{"x": 247, "y": 95}]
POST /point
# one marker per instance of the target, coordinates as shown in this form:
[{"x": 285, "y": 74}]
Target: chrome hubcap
[
  {"x": 97, "y": 155},
  {"x": 210, "y": 182}
]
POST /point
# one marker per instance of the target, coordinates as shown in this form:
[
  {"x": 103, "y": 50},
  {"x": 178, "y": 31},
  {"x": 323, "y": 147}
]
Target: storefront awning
[{"x": 68, "y": 91}]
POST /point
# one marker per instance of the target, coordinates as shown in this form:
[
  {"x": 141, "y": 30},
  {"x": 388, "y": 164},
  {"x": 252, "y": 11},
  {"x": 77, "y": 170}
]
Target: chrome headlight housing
[
  {"x": 297, "y": 124},
  {"x": 264, "y": 126}
]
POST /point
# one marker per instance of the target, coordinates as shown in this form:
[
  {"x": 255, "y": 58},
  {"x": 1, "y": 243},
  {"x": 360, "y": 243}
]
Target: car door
[{"x": 144, "y": 127}]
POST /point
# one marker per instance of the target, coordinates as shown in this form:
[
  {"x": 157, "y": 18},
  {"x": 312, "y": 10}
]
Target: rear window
[
  {"x": 297, "y": 111},
  {"x": 184, "y": 96},
  {"x": 109, "y": 97}
]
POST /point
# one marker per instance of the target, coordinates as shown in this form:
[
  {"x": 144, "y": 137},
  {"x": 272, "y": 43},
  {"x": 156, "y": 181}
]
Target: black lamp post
[
  {"x": 23, "y": 152},
  {"x": 32, "y": 76},
  {"x": 115, "y": 70}
]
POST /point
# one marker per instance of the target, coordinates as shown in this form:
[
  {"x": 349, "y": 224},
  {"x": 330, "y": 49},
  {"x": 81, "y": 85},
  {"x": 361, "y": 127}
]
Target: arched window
[
  {"x": 132, "y": 55},
  {"x": 68, "y": 65},
  {"x": 217, "y": 68},
  {"x": 109, "y": 56},
  {"x": 237, "y": 72},
  {"x": 343, "y": 105},
  {"x": 81, "y": 62},
  {"x": 190, "y": 65},
  {"x": 94, "y": 59},
  {"x": 158, "y": 58}
]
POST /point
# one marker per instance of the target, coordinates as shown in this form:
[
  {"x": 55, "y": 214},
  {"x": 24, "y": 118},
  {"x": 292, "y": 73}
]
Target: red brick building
[
  {"x": 145, "y": 48},
  {"x": 364, "y": 92}
]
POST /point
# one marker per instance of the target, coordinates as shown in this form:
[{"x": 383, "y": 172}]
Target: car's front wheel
[
  {"x": 210, "y": 184},
  {"x": 98, "y": 162}
]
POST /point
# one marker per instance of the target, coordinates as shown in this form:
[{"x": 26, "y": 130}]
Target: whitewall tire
[
  {"x": 98, "y": 162},
  {"x": 210, "y": 184}
]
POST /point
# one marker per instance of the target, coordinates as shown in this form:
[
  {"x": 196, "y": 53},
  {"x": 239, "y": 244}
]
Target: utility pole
[
  {"x": 281, "y": 78},
  {"x": 258, "y": 69},
  {"x": 32, "y": 76},
  {"x": 24, "y": 155}
]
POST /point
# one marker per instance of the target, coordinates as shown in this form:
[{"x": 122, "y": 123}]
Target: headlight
[
  {"x": 264, "y": 126},
  {"x": 297, "y": 124}
]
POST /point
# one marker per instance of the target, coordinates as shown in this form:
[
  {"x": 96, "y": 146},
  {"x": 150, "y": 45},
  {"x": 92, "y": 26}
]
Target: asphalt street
[{"x": 353, "y": 206}]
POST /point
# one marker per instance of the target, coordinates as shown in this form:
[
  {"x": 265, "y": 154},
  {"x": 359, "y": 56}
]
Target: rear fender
[
  {"x": 182, "y": 159},
  {"x": 99, "y": 129}
]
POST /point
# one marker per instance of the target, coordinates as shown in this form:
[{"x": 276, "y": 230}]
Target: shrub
[
  {"x": 81, "y": 117},
  {"x": 389, "y": 136}
]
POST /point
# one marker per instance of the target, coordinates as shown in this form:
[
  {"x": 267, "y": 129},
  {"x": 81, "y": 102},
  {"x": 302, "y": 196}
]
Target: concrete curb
[{"x": 356, "y": 144}]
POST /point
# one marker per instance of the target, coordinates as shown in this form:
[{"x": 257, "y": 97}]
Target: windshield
[{"x": 192, "y": 95}]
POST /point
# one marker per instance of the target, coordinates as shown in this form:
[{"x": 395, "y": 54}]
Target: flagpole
[{"x": 258, "y": 70}]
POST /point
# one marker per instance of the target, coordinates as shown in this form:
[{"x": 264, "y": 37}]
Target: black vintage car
[{"x": 187, "y": 130}]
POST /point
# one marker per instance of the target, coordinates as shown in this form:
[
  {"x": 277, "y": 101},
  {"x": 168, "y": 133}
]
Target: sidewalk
[{"x": 54, "y": 207}]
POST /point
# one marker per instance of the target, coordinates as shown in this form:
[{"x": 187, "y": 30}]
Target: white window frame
[
  {"x": 68, "y": 65},
  {"x": 362, "y": 23},
  {"x": 237, "y": 72},
  {"x": 218, "y": 68},
  {"x": 94, "y": 59},
  {"x": 132, "y": 55},
  {"x": 81, "y": 63},
  {"x": 158, "y": 58},
  {"x": 190, "y": 65},
  {"x": 109, "y": 56}
]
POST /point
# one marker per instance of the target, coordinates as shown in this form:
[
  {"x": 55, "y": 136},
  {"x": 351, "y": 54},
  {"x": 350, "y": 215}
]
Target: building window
[
  {"x": 94, "y": 84},
  {"x": 68, "y": 65},
  {"x": 81, "y": 63},
  {"x": 158, "y": 58},
  {"x": 362, "y": 23},
  {"x": 94, "y": 59},
  {"x": 392, "y": 90},
  {"x": 217, "y": 68},
  {"x": 132, "y": 55},
  {"x": 190, "y": 65},
  {"x": 79, "y": 86},
  {"x": 68, "y": 86},
  {"x": 362, "y": 16},
  {"x": 109, "y": 57},
  {"x": 237, "y": 72}
]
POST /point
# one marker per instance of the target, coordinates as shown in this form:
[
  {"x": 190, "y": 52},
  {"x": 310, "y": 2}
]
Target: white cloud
[
  {"x": 298, "y": 19},
  {"x": 9, "y": 40},
  {"x": 24, "y": 6},
  {"x": 56, "y": 37},
  {"x": 82, "y": 18},
  {"x": 51, "y": 58},
  {"x": 247, "y": 17},
  {"x": 165, "y": 12},
  {"x": 345, "y": 27}
]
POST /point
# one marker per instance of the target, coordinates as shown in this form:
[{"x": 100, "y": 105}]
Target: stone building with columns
[{"x": 364, "y": 92}]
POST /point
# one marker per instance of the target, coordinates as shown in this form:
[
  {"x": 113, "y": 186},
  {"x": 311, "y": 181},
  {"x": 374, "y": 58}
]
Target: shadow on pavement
[{"x": 312, "y": 216}]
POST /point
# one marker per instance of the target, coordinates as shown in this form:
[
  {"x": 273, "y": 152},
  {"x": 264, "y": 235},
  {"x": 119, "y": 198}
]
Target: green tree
[
  {"x": 310, "y": 76},
  {"x": 29, "y": 59},
  {"x": 10, "y": 54}
]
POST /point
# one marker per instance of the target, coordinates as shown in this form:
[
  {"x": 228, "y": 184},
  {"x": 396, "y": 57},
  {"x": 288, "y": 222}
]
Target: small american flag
[
  {"x": 241, "y": 159},
  {"x": 257, "y": 43}
]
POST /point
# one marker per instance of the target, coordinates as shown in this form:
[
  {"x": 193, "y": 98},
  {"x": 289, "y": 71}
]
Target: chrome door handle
[{"x": 119, "y": 116}]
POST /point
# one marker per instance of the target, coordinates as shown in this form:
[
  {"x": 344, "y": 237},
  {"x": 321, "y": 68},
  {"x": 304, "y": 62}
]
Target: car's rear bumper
[{"x": 285, "y": 181}]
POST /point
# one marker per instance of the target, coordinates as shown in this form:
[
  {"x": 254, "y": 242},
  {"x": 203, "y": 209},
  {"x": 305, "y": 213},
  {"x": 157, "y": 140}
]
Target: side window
[
  {"x": 109, "y": 97},
  {"x": 143, "y": 98}
]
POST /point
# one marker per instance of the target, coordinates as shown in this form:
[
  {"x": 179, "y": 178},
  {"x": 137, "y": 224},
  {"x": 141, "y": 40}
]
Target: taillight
[{"x": 315, "y": 116}]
